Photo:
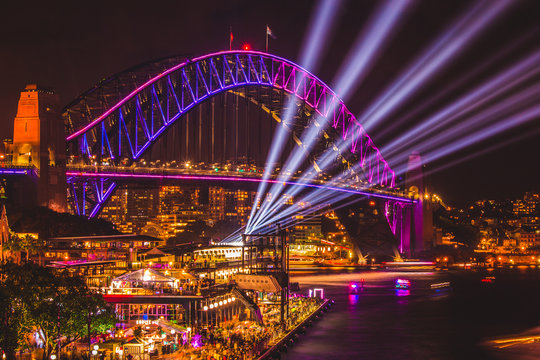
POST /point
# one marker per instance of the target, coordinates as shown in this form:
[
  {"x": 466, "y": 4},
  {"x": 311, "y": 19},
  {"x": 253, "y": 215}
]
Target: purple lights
[
  {"x": 14, "y": 171},
  {"x": 450, "y": 44},
  {"x": 110, "y": 175},
  {"x": 126, "y": 129},
  {"x": 402, "y": 284}
]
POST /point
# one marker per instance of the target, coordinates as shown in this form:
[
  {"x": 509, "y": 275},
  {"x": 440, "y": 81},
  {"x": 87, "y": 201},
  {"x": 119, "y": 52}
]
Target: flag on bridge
[
  {"x": 269, "y": 33},
  {"x": 231, "y": 37}
]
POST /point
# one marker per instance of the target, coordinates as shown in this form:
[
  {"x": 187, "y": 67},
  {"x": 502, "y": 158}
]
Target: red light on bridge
[
  {"x": 246, "y": 46},
  {"x": 372, "y": 203}
]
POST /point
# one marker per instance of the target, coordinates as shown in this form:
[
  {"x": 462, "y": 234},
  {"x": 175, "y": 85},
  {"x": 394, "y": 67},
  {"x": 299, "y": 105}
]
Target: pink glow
[
  {"x": 231, "y": 179},
  {"x": 179, "y": 66},
  {"x": 165, "y": 73}
]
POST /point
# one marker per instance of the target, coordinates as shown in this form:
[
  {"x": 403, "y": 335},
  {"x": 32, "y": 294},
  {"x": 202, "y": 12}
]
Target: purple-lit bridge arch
[{"x": 127, "y": 127}]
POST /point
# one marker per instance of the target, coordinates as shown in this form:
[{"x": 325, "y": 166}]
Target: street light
[{"x": 189, "y": 334}]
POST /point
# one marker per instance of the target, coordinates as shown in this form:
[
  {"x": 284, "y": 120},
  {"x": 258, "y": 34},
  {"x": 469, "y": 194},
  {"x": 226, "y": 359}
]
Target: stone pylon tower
[
  {"x": 421, "y": 216},
  {"x": 38, "y": 140}
]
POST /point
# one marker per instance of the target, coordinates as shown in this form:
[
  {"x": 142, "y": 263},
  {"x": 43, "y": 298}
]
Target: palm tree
[{"x": 14, "y": 246}]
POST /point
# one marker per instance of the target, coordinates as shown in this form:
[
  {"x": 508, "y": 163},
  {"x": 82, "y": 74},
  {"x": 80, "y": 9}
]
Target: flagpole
[
  {"x": 266, "y": 30},
  {"x": 230, "y": 37}
]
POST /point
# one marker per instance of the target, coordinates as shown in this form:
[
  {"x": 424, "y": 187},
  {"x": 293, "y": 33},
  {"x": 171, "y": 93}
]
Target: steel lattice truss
[{"x": 130, "y": 127}]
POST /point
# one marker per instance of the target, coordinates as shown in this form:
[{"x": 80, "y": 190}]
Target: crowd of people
[{"x": 247, "y": 339}]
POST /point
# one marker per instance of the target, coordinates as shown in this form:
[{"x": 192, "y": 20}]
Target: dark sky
[{"x": 69, "y": 46}]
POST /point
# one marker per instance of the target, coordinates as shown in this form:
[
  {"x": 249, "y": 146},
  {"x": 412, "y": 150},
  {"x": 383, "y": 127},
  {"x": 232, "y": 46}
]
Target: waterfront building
[
  {"x": 146, "y": 295},
  {"x": 307, "y": 235},
  {"x": 529, "y": 237},
  {"x": 103, "y": 247},
  {"x": 528, "y": 209}
]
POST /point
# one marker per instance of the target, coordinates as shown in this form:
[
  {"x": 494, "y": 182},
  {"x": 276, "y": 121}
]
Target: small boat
[{"x": 402, "y": 284}]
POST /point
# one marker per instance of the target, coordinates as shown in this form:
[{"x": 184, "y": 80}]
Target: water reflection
[
  {"x": 353, "y": 299},
  {"x": 447, "y": 321},
  {"x": 403, "y": 292}
]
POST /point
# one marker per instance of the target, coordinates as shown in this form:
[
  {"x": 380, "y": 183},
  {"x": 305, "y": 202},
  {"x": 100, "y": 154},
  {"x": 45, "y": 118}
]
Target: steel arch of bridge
[{"x": 133, "y": 124}]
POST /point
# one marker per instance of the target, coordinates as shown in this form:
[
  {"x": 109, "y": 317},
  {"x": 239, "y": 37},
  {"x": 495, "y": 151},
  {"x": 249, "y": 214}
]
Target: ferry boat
[
  {"x": 301, "y": 260},
  {"x": 334, "y": 263},
  {"x": 409, "y": 265}
]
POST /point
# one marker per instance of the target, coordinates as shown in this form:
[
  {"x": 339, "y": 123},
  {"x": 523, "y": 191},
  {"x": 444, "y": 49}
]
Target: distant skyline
[{"x": 69, "y": 46}]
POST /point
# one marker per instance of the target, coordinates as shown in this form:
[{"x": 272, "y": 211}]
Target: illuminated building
[
  {"x": 529, "y": 237},
  {"x": 169, "y": 210},
  {"x": 116, "y": 210},
  {"x": 307, "y": 235},
  {"x": 130, "y": 209},
  {"x": 231, "y": 205},
  {"x": 217, "y": 203},
  {"x": 526, "y": 209}
]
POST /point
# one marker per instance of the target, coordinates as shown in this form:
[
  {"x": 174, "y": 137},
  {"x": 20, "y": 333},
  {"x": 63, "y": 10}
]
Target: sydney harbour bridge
[{"x": 212, "y": 119}]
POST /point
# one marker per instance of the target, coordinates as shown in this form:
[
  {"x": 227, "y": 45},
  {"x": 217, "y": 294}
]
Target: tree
[
  {"x": 13, "y": 317},
  {"x": 14, "y": 246},
  {"x": 51, "y": 303},
  {"x": 39, "y": 220},
  {"x": 93, "y": 316},
  {"x": 31, "y": 245},
  {"x": 138, "y": 332}
]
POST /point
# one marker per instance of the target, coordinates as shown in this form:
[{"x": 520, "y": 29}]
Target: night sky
[{"x": 69, "y": 46}]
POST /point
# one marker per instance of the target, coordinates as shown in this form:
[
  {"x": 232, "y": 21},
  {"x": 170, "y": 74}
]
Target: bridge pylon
[
  {"x": 418, "y": 218},
  {"x": 38, "y": 143}
]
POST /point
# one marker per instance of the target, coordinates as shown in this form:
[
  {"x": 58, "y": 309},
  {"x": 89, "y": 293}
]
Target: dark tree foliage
[
  {"x": 193, "y": 233},
  {"x": 223, "y": 228},
  {"x": 328, "y": 225},
  {"x": 55, "y": 303},
  {"x": 464, "y": 233},
  {"x": 39, "y": 220}
]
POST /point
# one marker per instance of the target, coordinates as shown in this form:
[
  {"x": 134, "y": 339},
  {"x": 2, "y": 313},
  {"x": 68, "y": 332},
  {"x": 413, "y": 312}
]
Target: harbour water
[{"x": 381, "y": 322}]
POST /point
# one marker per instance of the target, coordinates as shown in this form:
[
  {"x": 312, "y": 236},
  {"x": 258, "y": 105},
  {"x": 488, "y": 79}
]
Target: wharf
[{"x": 288, "y": 337}]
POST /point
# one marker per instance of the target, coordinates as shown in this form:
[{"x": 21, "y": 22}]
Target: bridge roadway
[
  {"x": 7, "y": 168},
  {"x": 158, "y": 173}
]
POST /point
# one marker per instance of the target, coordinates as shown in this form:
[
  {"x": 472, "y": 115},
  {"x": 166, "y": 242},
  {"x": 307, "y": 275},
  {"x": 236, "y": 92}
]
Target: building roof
[
  {"x": 145, "y": 275},
  {"x": 117, "y": 237},
  {"x": 155, "y": 251},
  {"x": 81, "y": 263}
]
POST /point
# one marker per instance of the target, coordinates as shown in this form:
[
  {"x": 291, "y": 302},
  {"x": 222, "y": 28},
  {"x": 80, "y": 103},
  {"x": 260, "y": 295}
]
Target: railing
[
  {"x": 159, "y": 171},
  {"x": 149, "y": 292}
]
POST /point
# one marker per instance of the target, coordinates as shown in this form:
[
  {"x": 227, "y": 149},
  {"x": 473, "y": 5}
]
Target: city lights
[{"x": 216, "y": 205}]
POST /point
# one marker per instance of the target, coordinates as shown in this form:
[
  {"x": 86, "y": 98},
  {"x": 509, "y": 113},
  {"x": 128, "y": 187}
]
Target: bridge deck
[{"x": 133, "y": 173}]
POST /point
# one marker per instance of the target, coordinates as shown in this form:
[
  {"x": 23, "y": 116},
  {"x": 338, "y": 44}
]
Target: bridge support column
[{"x": 406, "y": 231}]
